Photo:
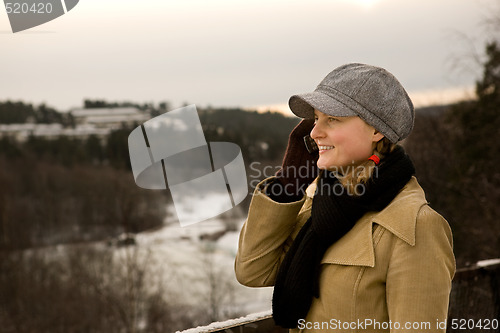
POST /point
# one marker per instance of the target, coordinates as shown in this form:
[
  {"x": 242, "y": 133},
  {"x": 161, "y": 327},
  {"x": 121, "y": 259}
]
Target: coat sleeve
[
  {"x": 419, "y": 277},
  {"x": 264, "y": 239}
]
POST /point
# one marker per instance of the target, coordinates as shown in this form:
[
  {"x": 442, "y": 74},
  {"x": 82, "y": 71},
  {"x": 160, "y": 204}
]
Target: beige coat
[{"x": 392, "y": 269}]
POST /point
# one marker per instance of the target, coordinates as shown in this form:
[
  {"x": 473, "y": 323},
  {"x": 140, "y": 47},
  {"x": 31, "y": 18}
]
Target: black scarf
[{"x": 334, "y": 212}]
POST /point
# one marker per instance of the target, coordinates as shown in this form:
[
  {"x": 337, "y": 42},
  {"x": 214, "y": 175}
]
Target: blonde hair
[{"x": 363, "y": 172}]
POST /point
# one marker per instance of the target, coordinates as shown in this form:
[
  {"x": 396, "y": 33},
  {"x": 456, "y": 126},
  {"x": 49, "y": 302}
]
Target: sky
[{"x": 246, "y": 53}]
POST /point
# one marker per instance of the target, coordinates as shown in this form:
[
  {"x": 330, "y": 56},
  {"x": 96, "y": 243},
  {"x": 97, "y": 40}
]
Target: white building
[
  {"x": 99, "y": 122},
  {"x": 111, "y": 118},
  {"x": 21, "y": 132}
]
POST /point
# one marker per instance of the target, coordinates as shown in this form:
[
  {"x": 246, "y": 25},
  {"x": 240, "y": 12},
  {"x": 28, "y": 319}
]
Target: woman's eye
[{"x": 332, "y": 120}]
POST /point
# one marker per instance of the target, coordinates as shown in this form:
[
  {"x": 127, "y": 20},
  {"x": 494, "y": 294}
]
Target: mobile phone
[{"x": 311, "y": 145}]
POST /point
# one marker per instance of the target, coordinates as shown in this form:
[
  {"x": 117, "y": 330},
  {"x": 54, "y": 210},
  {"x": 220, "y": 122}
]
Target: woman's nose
[{"x": 316, "y": 132}]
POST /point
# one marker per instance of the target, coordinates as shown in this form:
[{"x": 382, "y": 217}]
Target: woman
[{"x": 355, "y": 248}]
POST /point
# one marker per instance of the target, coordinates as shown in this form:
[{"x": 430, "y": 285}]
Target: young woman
[{"x": 355, "y": 247}]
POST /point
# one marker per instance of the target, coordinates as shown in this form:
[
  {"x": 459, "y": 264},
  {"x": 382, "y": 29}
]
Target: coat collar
[{"x": 399, "y": 217}]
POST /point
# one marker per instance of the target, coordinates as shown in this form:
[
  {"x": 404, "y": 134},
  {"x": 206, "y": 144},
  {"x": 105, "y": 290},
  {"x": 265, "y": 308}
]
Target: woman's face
[{"x": 343, "y": 141}]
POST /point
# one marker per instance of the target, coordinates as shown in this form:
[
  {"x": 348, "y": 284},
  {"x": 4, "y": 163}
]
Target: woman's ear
[{"x": 377, "y": 136}]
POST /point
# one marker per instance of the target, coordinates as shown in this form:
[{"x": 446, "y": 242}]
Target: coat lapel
[{"x": 356, "y": 248}]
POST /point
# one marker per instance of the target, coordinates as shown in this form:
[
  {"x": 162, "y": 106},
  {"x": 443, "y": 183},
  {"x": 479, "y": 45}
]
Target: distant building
[
  {"x": 21, "y": 132},
  {"x": 111, "y": 118},
  {"x": 18, "y": 132},
  {"x": 99, "y": 122}
]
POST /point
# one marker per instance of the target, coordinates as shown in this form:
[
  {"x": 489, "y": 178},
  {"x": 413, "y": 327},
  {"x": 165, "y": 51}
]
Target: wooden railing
[
  {"x": 259, "y": 322},
  {"x": 475, "y": 299}
]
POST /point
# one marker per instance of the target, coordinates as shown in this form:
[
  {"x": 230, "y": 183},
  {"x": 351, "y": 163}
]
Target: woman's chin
[{"x": 326, "y": 166}]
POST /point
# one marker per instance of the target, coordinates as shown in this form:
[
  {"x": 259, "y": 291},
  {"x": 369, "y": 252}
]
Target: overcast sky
[{"x": 233, "y": 53}]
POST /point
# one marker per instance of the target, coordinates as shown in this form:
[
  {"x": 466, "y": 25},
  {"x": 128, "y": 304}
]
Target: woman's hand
[{"x": 298, "y": 169}]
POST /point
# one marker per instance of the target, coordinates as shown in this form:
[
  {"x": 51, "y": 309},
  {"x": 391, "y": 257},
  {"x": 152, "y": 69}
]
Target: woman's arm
[
  {"x": 265, "y": 238},
  {"x": 276, "y": 203},
  {"x": 419, "y": 277}
]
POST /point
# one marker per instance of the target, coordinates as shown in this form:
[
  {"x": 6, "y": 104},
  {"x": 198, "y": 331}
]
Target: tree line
[{"x": 456, "y": 150}]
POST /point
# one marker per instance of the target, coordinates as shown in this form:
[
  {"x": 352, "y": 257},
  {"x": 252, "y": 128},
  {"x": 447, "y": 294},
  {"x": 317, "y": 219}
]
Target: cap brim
[{"x": 303, "y": 105}]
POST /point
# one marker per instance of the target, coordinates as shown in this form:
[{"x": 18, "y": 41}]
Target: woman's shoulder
[
  {"x": 408, "y": 211},
  {"x": 426, "y": 216},
  {"x": 431, "y": 224}
]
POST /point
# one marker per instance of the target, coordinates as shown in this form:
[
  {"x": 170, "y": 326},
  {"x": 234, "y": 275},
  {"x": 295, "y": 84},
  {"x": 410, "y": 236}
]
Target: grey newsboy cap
[{"x": 370, "y": 92}]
